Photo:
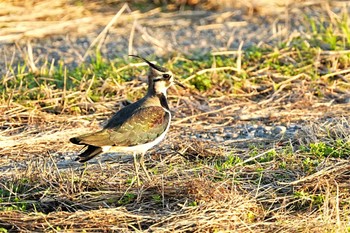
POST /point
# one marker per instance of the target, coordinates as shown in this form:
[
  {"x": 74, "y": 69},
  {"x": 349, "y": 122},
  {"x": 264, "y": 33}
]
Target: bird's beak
[{"x": 179, "y": 84}]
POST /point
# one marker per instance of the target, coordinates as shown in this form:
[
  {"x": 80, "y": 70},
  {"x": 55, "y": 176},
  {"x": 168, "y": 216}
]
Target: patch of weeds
[
  {"x": 230, "y": 162},
  {"x": 287, "y": 151},
  {"x": 251, "y": 216},
  {"x": 253, "y": 150},
  {"x": 193, "y": 204},
  {"x": 286, "y": 156},
  {"x": 98, "y": 77},
  {"x": 330, "y": 34},
  {"x": 98, "y": 65},
  {"x": 202, "y": 82},
  {"x": 12, "y": 203},
  {"x": 130, "y": 180},
  {"x": 157, "y": 198},
  {"x": 310, "y": 165},
  {"x": 267, "y": 157},
  {"x": 16, "y": 204},
  {"x": 20, "y": 186},
  {"x": 336, "y": 149},
  {"x": 154, "y": 170},
  {"x": 260, "y": 170},
  {"x": 309, "y": 200},
  {"x": 282, "y": 165},
  {"x": 13, "y": 195},
  {"x": 255, "y": 54},
  {"x": 23, "y": 84},
  {"x": 127, "y": 199},
  {"x": 320, "y": 149},
  {"x": 304, "y": 148}
]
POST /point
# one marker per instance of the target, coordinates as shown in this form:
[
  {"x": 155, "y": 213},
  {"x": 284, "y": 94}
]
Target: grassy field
[{"x": 206, "y": 176}]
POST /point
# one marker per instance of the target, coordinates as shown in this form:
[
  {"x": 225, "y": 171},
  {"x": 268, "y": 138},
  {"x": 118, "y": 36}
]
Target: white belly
[{"x": 138, "y": 149}]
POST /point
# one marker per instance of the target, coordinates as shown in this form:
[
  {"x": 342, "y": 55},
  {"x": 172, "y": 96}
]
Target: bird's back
[{"x": 125, "y": 113}]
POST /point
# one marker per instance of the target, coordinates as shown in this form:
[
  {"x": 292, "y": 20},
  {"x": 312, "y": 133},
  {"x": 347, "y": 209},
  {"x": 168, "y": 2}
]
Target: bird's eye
[{"x": 166, "y": 76}]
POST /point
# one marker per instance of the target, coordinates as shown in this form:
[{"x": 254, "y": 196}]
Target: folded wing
[{"x": 144, "y": 126}]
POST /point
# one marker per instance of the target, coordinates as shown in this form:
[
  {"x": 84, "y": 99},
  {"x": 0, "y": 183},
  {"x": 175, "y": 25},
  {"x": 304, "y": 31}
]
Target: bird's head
[{"x": 159, "y": 78}]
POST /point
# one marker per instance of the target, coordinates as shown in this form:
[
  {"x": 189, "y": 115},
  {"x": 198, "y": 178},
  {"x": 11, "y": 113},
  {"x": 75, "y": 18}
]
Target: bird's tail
[
  {"x": 89, "y": 140},
  {"x": 88, "y": 153}
]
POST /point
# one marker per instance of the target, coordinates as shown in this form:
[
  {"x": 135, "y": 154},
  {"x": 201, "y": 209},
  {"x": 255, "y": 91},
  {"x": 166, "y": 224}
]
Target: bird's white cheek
[{"x": 160, "y": 87}]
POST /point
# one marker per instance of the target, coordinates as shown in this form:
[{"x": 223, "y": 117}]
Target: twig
[
  {"x": 131, "y": 38},
  {"x": 239, "y": 58},
  {"x": 147, "y": 37},
  {"x": 212, "y": 70},
  {"x": 225, "y": 53},
  {"x": 64, "y": 100},
  {"x": 255, "y": 157},
  {"x": 105, "y": 30},
  {"x": 31, "y": 58},
  {"x": 336, "y": 73},
  {"x": 221, "y": 25},
  {"x": 290, "y": 80},
  {"x": 205, "y": 113},
  {"x": 330, "y": 170}
]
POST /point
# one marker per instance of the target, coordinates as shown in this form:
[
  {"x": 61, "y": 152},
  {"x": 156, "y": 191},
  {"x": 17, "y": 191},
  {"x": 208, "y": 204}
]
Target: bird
[{"x": 138, "y": 126}]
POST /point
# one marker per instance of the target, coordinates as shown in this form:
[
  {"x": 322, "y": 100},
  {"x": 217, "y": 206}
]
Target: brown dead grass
[
  {"x": 187, "y": 192},
  {"x": 38, "y": 19}
]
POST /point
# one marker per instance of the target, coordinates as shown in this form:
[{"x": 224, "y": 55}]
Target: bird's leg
[
  {"x": 142, "y": 163},
  {"x": 136, "y": 166}
]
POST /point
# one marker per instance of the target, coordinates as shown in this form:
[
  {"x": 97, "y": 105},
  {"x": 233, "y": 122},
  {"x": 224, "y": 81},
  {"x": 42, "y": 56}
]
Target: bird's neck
[
  {"x": 163, "y": 101},
  {"x": 152, "y": 95},
  {"x": 155, "y": 89}
]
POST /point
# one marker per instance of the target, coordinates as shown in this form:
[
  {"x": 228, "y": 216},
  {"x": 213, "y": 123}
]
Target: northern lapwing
[{"x": 137, "y": 127}]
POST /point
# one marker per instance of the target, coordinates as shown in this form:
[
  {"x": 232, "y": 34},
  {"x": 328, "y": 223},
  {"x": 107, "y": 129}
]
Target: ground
[{"x": 259, "y": 141}]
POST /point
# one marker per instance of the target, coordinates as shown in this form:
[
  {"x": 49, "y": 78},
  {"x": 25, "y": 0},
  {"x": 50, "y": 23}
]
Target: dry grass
[
  {"x": 39, "y": 19},
  {"x": 184, "y": 196},
  {"x": 193, "y": 188},
  {"x": 284, "y": 183}
]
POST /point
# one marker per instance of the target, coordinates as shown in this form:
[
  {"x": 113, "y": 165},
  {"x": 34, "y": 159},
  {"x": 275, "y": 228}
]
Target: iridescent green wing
[
  {"x": 145, "y": 125},
  {"x": 100, "y": 138}
]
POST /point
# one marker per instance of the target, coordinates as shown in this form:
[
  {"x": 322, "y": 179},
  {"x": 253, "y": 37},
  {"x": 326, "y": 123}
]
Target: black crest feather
[{"x": 159, "y": 68}]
